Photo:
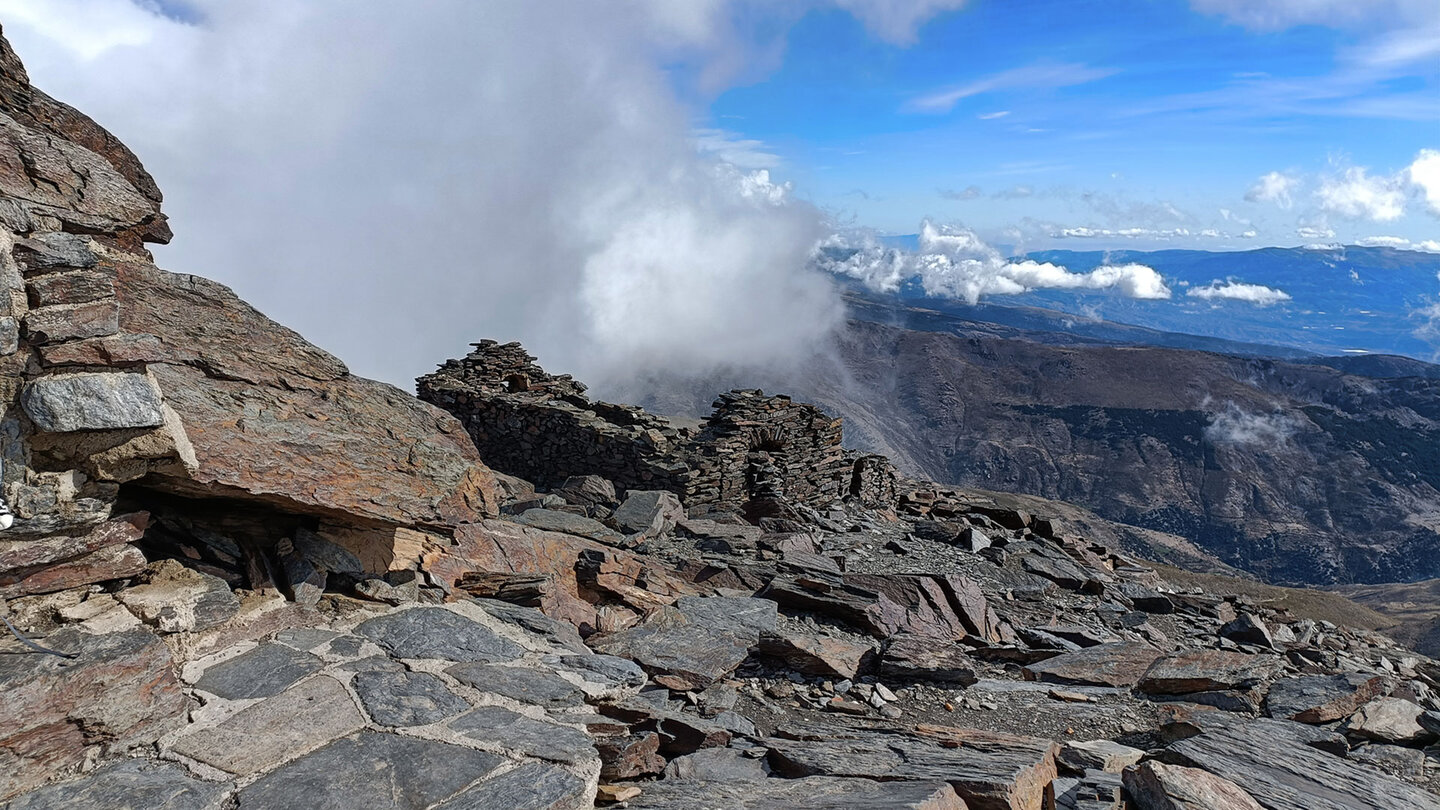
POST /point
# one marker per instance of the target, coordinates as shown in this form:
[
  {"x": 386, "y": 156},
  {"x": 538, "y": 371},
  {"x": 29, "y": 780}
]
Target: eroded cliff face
[{"x": 1298, "y": 473}]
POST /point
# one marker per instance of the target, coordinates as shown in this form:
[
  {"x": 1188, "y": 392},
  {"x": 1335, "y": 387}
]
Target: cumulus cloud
[
  {"x": 1231, "y": 290},
  {"x": 1399, "y": 242},
  {"x": 954, "y": 262},
  {"x": 1357, "y": 194},
  {"x": 1315, "y": 232},
  {"x": 1273, "y": 187},
  {"x": 1235, "y": 425},
  {"x": 396, "y": 184},
  {"x": 1424, "y": 177}
]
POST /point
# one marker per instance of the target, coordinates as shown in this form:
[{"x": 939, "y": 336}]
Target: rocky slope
[
  {"x": 241, "y": 578},
  {"x": 1295, "y": 472}
]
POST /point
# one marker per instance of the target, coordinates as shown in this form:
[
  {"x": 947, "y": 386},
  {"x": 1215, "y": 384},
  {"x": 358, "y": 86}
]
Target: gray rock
[
  {"x": 1284, "y": 772},
  {"x": 649, "y": 512},
  {"x": 524, "y": 735},
  {"x": 743, "y": 616},
  {"x": 93, "y": 401},
  {"x": 1145, "y": 599},
  {"x": 433, "y": 632},
  {"x": 588, "y": 490},
  {"x": 1322, "y": 698},
  {"x": 1248, "y": 629},
  {"x": 134, "y": 783},
  {"x": 50, "y": 250},
  {"x": 725, "y": 765},
  {"x": 264, "y": 671},
  {"x": 298, "y": 720},
  {"x": 1098, "y": 755},
  {"x": 378, "y": 590},
  {"x": 522, "y": 683},
  {"x": 607, "y": 670},
  {"x": 532, "y": 786},
  {"x": 972, "y": 539},
  {"x": 176, "y": 599},
  {"x": 813, "y": 793},
  {"x": 324, "y": 554},
  {"x": 305, "y": 638},
  {"x": 9, "y": 336},
  {"x": 370, "y": 770},
  {"x": 677, "y": 655},
  {"x": 558, "y": 633},
  {"x": 403, "y": 698},
  {"x": 568, "y": 523}
]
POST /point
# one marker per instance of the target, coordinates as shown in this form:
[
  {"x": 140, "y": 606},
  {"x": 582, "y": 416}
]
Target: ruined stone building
[{"x": 543, "y": 428}]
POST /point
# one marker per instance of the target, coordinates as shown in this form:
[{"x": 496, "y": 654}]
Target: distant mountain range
[{"x": 1342, "y": 299}]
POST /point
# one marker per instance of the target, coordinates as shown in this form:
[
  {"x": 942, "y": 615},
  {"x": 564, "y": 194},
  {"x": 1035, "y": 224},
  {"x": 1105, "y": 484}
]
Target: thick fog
[{"x": 397, "y": 180}]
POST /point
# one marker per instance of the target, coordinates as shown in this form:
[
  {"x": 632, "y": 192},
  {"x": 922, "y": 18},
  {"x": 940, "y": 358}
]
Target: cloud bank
[
  {"x": 1234, "y": 425},
  {"x": 396, "y": 184},
  {"x": 1232, "y": 290},
  {"x": 953, "y": 262}
]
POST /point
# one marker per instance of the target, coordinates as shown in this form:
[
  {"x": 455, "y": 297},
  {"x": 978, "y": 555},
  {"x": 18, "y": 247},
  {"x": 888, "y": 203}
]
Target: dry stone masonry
[{"x": 543, "y": 428}]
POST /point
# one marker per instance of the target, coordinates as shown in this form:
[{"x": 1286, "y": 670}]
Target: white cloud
[
  {"x": 1359, "y": 195},
  {"x": 1042, "y": 75},
  {"x": 1232, "y": 290},
  {"x": 1384, "y": 241},
  {"x": 1085, "y": 232},
  {"x": 1273, "y": 187},
  {"x": 955, "y": 263},
  {"x": 1315, "y": 232},
  {"x": 398, "y": 183},
  {"x": 1424, "y": 175},
  {"x": 1235, "y": 425},
  {"x": 735, "y": 149},
  {"x": 991, "y": 116}
]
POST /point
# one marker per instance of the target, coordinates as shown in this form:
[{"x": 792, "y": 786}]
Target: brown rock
[
  {"x": 1119, "y": 664},
  {"x": 1157, "y": 786},
  {"x": 120, "y": 691},
  {"x": 75, "y": 287},
  {"x": 911, "y": 657},
  {"x": 1322, "y": 698},
  {"x": 110, "y": 562},
  {"x": 629, "y": 756},
  {"x": 244, "y": 385},
  {"x": 28, "y": 554},
  {"x": 60, "y": 322},
  {"x": 1206, "y": 670},
  {"x": 1389, "y": 720},
  {"x": 989, "y": 771},
  {"x": 816, "y": 655}
]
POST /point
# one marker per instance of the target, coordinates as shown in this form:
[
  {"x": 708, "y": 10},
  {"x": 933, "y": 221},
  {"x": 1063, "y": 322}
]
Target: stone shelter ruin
[{"x": 543, "y": 428}]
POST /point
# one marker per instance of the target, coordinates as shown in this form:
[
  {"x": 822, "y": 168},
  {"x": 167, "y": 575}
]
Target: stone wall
[{"x": 543, "y": 428}]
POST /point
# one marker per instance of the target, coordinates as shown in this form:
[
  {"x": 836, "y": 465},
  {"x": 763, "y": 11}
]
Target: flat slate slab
[
  {"x": 1283, "y": 773},
  {"x": 432, "y": 632},
  {"x": 264, "y": 671},
  {"x": 1206, "y": 671},
  {"x": 262, "y": 736},
  {"x": 373, "y": 770},
  {"x": 532, "y": 786},
  {"x": 812, "y": 793},
  {"x": 134, "y": 784},
  {"x": 524, "y": 684},
  {"x": 741, "y": 615},
  {"x": 1118, "y": 664},
  {"x": 1322, "y": 698},
  {"x": 401, "y": 698},
  {"x": 677, "y": 656},
  {"x": 524, "y": 735},
  {"x": 989, "y": 771}
]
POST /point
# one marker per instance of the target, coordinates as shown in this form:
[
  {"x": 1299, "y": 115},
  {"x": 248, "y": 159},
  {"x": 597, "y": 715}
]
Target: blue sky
[{"x": 1022, "y": 120}]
